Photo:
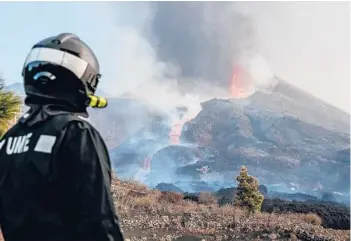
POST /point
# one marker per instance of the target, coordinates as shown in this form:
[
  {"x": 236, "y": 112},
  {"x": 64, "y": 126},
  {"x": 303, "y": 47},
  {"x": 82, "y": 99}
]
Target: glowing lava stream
[
  {"x": 176, "y": 131},
  {"x": 174, "y": 138}
]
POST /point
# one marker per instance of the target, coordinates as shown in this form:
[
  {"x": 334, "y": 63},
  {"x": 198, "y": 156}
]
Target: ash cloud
[{"x": 183, "y": 48}]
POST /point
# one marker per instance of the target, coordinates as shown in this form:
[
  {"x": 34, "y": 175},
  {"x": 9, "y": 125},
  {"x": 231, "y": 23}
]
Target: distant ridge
[{"x": 19, "y": 89}]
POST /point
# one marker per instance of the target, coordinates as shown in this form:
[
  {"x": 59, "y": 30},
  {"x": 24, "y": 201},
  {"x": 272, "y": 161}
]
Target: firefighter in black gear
[{"x": 55, "y": 172}]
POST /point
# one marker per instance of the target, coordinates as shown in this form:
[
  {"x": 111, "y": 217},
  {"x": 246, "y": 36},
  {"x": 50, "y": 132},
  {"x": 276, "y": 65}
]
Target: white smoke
[
  {"x": 307, "y": 44},
  {"x": 259, "y": 71},
  {"x": 137, "y": 70}
]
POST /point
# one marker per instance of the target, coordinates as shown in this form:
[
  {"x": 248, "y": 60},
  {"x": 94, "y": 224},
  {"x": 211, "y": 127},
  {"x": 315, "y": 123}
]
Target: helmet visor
[{"x": 67, "y": 60}]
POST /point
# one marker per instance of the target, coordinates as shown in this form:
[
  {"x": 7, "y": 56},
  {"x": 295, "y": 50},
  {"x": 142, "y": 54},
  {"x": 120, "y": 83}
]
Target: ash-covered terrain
[{"x": 291, "y": 141}]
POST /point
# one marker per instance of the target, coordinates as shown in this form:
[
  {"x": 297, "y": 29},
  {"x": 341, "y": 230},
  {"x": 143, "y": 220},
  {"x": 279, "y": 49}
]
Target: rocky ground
[
  {"x": 282, "y": 147},
  {"x": 154, "y": 215}
]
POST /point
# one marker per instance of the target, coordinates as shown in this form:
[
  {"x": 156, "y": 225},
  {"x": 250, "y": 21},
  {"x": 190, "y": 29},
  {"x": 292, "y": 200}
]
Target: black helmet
[{"x": 63, "y": 68}]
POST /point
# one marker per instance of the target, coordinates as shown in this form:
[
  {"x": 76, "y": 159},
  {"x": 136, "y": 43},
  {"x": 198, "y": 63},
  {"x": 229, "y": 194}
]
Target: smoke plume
[{"x": 173, "y": 54}]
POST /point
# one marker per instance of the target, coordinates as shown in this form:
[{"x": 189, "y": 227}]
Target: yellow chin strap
[{"x": 97, "y": 101}]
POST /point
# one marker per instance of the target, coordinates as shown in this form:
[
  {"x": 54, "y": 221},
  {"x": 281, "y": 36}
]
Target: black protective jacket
[{"x": 55, "y": 178}]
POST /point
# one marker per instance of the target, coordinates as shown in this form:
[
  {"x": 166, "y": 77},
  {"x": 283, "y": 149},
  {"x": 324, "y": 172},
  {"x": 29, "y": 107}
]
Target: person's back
[{"x": 55, "y": 172}]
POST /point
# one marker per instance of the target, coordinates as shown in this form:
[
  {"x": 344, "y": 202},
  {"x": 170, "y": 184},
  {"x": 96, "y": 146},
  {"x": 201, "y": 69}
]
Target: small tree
[
  {"x": 247, "y": 194},
  {"x": 10, "y": 106}
]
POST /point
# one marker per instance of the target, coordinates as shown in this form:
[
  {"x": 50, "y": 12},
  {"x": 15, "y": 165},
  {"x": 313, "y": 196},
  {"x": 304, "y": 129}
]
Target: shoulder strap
[{"x": 61, "y": 120}]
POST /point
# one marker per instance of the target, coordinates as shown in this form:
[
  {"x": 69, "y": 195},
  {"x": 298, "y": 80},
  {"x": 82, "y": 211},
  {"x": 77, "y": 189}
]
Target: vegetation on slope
[
  {"x": 155, "y": 215},
  {"x": 158, "y": 215},
  {"x": 10, "y": 106},
  {"x": 247, "y": 193}
]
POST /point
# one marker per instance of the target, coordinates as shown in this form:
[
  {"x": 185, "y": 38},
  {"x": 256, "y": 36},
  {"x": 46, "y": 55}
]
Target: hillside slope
[
  {"x": 163, "y": 216},
  {"x": 286, "y": 137}
]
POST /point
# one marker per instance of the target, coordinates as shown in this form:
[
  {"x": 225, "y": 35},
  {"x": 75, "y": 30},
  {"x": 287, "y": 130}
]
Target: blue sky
[
  {"x": 125, "y": 57},
  {"x": 23, "y": 24}
]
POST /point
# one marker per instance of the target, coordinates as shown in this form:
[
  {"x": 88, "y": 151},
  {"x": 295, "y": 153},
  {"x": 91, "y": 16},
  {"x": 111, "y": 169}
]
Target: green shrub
[
  {"x": 247, "y": 194},
  {"x": 10, "y": 106}
]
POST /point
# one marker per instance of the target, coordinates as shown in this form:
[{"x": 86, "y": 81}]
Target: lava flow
[
  {"x": 177, "y": 126},
  {"x": 240, "y": 84}
]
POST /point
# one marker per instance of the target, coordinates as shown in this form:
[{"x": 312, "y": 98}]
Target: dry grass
[
  {"x": 312, "y": 218},
  {"x": 167, "y": 213},
  {"x": 153, "y": 215},
  {"x": 170, "y": 197},
  {"x": 207, "y": 198}
]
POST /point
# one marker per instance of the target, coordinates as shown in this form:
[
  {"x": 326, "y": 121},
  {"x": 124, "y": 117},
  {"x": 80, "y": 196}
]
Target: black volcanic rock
[
  {"x": 225, "y": 195},
  {"x": 292, "y": 196},
  {"x": 277, "y": 147},
  {"x": 334, "y": 215},
  {"x": 191, "y": 197},
  {"x": 168, "y": 187},
  {"x": 224, "y": 200},
  {"x": 194, "y": 186}
]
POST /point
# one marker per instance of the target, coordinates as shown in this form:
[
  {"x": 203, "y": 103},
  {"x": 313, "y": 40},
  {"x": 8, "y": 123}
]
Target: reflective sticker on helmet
[
  {"x": 67, "y": 60},
  {"x": 44, "y": 74}
]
